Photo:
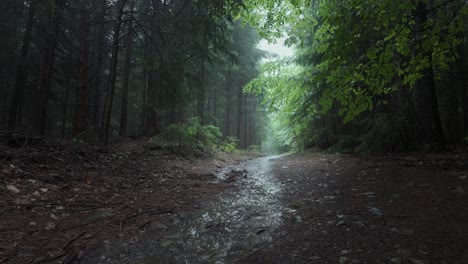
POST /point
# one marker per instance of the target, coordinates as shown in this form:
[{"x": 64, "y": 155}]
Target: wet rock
[
  {"x": 375, "y": 211},
  {"x": 396, "y": 260},
  {"x": 12, "y": 189},
  {"x": 297, "y": 219},
  {"x": 344, "y": 260}
]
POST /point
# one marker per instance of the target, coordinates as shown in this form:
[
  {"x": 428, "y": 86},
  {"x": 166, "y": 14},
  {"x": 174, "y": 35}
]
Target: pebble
[
  {"x": 344, "y": 260},
  {"x": 13, "y": 189}
]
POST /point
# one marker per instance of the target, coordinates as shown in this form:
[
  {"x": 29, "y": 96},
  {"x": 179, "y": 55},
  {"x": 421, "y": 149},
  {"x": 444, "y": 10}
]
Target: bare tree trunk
[
  {"x": 126, "y": 77},
  {"x": 228, "y": 103},
  {"x": 112, "y": 72},
  {"x": 18, "y": 92},
  {"x": 425, "y": 92},
  {"x": 98, "y": 53},
  {"x": 201, "y": 95},
  {"x": 240, "y": 115},
  {"x": 81, "y": 113},
  {"x": 154, "y": 74},
  {"x": 39, "y": 121}
]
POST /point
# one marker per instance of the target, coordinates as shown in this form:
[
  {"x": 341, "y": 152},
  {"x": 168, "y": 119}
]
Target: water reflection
[
  {"x": 235, "y": 224},
  {"x": 225, "y": 230}
]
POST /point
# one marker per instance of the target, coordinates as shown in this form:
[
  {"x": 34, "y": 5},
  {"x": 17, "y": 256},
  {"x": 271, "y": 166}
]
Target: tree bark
[
  {"x": 98, "y": 53},
  {"x": 18, "y": 92},
  {"x": 228, "y": 103},
  {"x": 126, "y": 77},
  {"x": 112, "y": 72},
  {"x": 47, "y": 75},
  {"x": 240, "y": 123},
  {"x": 81, "y": 112}
]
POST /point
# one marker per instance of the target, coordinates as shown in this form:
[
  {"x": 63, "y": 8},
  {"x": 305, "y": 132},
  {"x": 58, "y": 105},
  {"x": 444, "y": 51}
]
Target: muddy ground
[
  {"x": 408, "y": 209},
  {"x": 61, "y": 201}
]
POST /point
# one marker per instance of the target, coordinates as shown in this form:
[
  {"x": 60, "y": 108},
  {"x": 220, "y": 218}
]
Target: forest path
[
  {"x": 309, "y": 208},
  {"x": 226, "y": 228},
  {"x": 350, "y": 209}
]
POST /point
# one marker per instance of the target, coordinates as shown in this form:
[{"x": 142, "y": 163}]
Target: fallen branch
[{"x": 74, "y": 239}]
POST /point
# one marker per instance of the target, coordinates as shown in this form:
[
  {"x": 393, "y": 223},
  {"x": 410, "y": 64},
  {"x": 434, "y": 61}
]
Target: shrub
[{"x": 190, "y": 136}]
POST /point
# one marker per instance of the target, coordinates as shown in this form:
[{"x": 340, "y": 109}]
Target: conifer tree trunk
[
  {"x": 228, "y": 103},
  {"x": 126, "y": 77},
  {"x": 18, "y": 92},
  {"x": 112, "y": 72},
  {"x": 98, "y": 53},
  {"x": 240, "y": 123},
  {"x": 80, "y": 116},
  {"x": 47, "y": 74}
]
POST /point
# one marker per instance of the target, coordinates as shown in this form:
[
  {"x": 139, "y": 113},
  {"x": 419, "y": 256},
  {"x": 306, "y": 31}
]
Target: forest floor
[
  {"x": 407, "y": 209},
  {"x": 59, "y": 201}
]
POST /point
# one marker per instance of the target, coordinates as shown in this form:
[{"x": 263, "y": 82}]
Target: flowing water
[{"x": 227, "y": 229}]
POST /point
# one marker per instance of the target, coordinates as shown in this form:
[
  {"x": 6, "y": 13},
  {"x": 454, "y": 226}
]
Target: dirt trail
[
  {"x": 371, "y": 210},
  {"x": 59, "y": 202},
  {"x": 310, "y": 208}
]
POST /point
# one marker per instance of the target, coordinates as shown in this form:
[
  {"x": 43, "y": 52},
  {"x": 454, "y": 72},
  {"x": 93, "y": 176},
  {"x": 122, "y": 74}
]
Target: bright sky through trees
[{"x": 278, "y": 47}]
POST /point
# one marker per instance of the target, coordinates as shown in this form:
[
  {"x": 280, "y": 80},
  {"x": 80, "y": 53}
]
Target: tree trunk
[
  {"x": 154, "y": 73},
  {"x": 126, "y": 78},
  {"x": 39, "y": 121},
  {"x": 425, "y": 91},
  {"x": 240, "y": 115},
  {"x": 98, "y": 53},
  {"x": 112, "y": 72},
  {"x": 201, "y": 95},
  {"x": 228, "y": 103},
  {"x": 81, "y": 113},
  {"x": 18, "y": 92}
]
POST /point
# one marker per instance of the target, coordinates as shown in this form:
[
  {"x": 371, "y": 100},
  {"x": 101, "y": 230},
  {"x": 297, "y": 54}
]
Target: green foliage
[
  {"x": 351, "y": 56},
  {"x": 229, "y": 145},
  {"x": 191, "y": 136}
]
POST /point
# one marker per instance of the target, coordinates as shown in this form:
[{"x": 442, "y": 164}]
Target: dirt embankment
[
  {"x": 60, "y": 201},
  {"x": 348, "y": 209}
]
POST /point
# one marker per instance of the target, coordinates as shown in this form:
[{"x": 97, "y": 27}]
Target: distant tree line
[{"x": 97, "y": 69}]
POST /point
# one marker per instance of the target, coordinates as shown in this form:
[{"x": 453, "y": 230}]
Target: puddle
[{"x": 227, "y": 229}]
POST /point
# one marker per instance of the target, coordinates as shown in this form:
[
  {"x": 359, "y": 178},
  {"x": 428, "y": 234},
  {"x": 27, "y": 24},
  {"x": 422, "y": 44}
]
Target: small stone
[
  {"x": 396, "y": 260},
  {"x": 375, "y": 211},
  {"x": 297, "y": 219},
  {"x": 344, "y": 260},
  {"x": 12, "y": 189},
  {"x": 43, "y": 189},
  {"x": 345, "y": 251},
  {"x": 36, "y": 193},
  {"x": 32, "y": 224},
  {"x": 50, "y": 226}
]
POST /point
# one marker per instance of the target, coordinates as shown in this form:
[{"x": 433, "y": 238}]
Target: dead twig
[{"x": 74, "y": 239}]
